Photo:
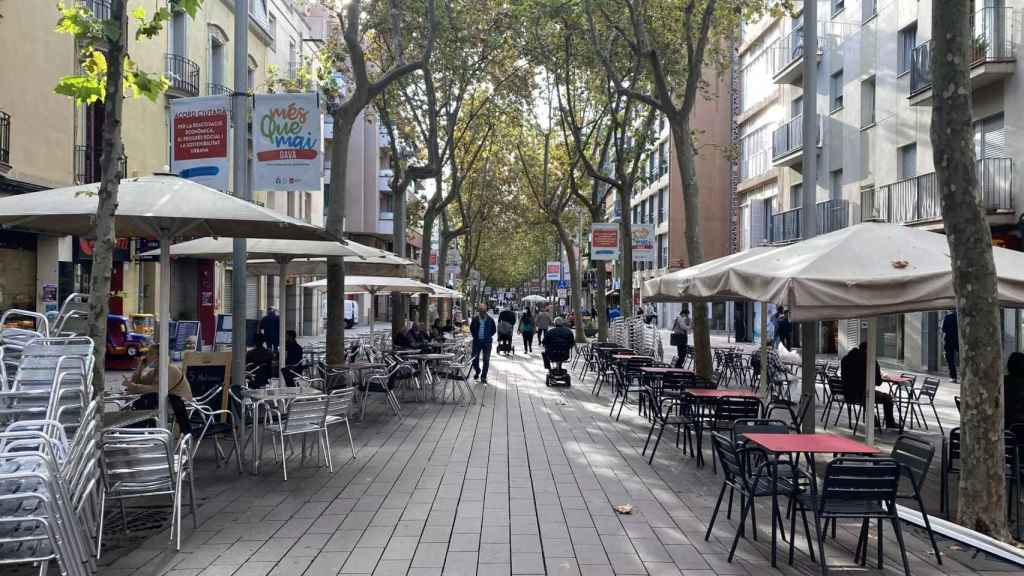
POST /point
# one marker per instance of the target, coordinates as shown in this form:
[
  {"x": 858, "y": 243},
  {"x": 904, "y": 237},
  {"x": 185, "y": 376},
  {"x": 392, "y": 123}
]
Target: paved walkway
[{"x": 523, "y": 484}]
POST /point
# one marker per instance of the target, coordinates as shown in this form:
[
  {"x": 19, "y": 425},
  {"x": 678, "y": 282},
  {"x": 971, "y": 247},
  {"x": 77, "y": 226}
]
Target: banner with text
[
  {"x": 199, "y": 132},
  {"x": 287, "y": 142},
  {"x": 643, "y": 242},
  {"x": 604, "y": 241},
  {"x": 554, "y": 271}
]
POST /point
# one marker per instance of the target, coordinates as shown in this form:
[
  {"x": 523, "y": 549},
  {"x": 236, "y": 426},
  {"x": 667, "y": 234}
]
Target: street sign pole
[{"x": 240, "y": 184}]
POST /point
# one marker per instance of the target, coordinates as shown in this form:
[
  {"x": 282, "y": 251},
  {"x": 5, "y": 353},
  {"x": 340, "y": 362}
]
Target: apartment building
[
  {"x": 659, "y": 200},
  {"x": 874, "y": 155}
]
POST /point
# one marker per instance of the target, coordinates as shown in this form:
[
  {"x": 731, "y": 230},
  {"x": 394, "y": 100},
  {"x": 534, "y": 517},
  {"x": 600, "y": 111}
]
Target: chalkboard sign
[
  {"x": 208, "y": 370},
  {"x": 184, "y": 332}
]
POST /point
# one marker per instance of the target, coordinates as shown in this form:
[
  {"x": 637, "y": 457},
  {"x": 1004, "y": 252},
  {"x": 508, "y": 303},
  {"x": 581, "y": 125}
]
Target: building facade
[{"x": 874, "y": 155}]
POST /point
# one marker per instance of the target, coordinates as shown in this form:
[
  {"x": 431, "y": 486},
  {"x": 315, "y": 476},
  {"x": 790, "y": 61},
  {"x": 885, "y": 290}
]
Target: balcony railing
[
  {"x": 789, "y": 137},
  {"x": 183, "y": 74},
  {"x": 214, "y": 89},
  {"x": 87, "y": 164},
  {"x": 5, "y": 138},
  {"x": 831, "y": 215},
  {"x": 918, "y": 198},
  {"x": 992, "y": 31}
]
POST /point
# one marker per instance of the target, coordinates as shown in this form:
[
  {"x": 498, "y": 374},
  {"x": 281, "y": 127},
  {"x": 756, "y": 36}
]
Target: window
[
  {"x": 662, "y": 159},
  {"x": 650, "y": 209},
  {"x": 756, "y": 74},
  {"x": 293, "y": 61},
  {"x": 661, "y": 251},
  {"x": 835, "y": 184},
  {"x": 179, "y": 33},
  {"x": 272, "y": 25},
  {"x": 906, "y": 161},
  {"x": 636, "y": 213},
  {"x": 661, "y": 206},
  {"x": 867, "y": 102},
  {"x": 309, "y": 207},
  {"x": 906, "y": 43},
  {"x": 869, "y": 9},
  {"x": 837, "y": 6},
  {"x": 250, "y": 78},
  {"x": 990, "y": 137},
  {"x": 835, "y": 90},
  {"x": 796, "y": 107},
  {"x": 796, "y": 195}
]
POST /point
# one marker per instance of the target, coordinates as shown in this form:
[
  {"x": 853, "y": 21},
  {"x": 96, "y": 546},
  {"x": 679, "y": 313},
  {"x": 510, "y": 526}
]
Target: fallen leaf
[
  {"x": 624, "y": 508},
  {"x": 900, "y": 264}
]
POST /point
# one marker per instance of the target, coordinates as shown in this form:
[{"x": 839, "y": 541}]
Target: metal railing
[
  {"x": 214, "y": 89},
  {"x": 183, "y": 74},
  {"x": 787, "y": 50},
  {"x": 918, "y": 198},
  {"x": 789, "y": 137},
  {"x": 87, "y": 164},
  {"x": 99, "y": 8},
  {"x": 5, "y": 138},
  {"x": 293, "y": 69},
  {"x": 785, "y": 226},
  {"x": 992, "y": 32},
  {"x": 831, "y": 215}
]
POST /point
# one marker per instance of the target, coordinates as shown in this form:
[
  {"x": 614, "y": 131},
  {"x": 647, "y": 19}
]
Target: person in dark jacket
[
  {"x": 260, "y": 359},
  {"x": 951, "y": 343},
  {"x": 269, "y": 328},
  {"x": 1013, "y": 390},
  {"x": 557, "y": 344},
  {"x": 785, "y": 330},
  {"x": 482, "y": 328},
  {"x": 403, "y": 339},
  {"x": 854, "y": 373},
  {"x": 292, "y": 357}
]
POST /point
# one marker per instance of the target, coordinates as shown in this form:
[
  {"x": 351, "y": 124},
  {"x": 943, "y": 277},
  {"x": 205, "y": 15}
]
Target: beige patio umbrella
[
  {"x": 373, "y": 285},
  {"x": 160, "y": 207},
  {"x": 282, "y": 252},
  {"x": 443, "y": 292}
]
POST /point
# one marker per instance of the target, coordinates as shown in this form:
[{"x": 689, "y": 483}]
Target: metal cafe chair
[
  {"x": 303, "y": 415},
  {"x": 915, "y": 457},
  {"x": 141, "y": 462},
  {"x": 339, "y": 404}
]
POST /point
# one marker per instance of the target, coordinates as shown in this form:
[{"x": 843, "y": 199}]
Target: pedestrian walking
[
  {"x": 681, "y": 335},
  {"x": 483, "y": 329},
  {"x": 269, "y": 328},
  {"x": 951, "y": 342},
  {"x": 784, "y": 329},
  {"x": 543, "y": 323},
  {"x": 526, "y": 328}
]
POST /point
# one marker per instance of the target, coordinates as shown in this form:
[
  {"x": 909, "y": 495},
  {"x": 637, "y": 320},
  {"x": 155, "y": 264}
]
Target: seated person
[
  {"x": 418, "y": 336},
  {"x": 145, "y": 380},
  {"x": 262, "y": 359},
  {"x": 1013, "y": 390},
  {"x": 854, "y": 374},
  {"x": 557, "y": 343},
  {"x": 292, "y": 357},
  {"x": 437, "y": 330},
  {"x": 403, "y": 339}
]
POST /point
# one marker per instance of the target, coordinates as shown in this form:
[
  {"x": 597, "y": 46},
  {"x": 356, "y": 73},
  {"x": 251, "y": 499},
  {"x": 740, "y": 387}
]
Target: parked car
[{"x": 123, "y": 345}]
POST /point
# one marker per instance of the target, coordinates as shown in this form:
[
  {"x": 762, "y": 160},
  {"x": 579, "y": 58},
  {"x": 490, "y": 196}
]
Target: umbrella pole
[
  {"x": 373, "y": 314},
  {"x": 764, "y": 351},
  {"x": 869, "y": 382},
  {"x": 165, "y": 321},
  {"x": 282, "y": 285}
]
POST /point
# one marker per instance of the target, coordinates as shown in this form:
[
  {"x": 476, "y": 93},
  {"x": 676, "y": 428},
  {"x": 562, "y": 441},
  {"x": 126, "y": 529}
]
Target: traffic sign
[
  {"x": 563, "y": 285},
  {"x": 562, "y": 292}
]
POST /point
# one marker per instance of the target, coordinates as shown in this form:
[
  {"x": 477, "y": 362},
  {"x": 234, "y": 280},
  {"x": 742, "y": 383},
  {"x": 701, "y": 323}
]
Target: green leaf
[
  {"x": 79, "y": 22},
  {"x": 83, "y": 88},
  {"x": 152, "y": 27},
  {"x": 191, "y": 7}
]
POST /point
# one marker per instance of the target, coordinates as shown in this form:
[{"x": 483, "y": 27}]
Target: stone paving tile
[{"x": 523, "y": 484}]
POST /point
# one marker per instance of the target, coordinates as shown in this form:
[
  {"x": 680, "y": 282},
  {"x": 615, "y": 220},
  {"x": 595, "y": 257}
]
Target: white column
[
  {"x": 165, "y": 321},
  {"x": 764, "y": 351},
  {"x": 282, "y": 284}
]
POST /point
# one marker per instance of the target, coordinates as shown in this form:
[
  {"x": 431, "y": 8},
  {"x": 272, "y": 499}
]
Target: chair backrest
[
  {"x": 757, "y": 426},
  {"x": 858, "y": 480},
  {"x": 930, "y": 386},
  {"x": 339, "y": 402},
  {"x": 138, "y": 460},
  {"x": 915, "y": 455},
  {"x": 730, "y": 458},
  {"x": 953, "y": 449},
  {"x": 733, "y": 408},
  {"x": 306, "y": 412},
  {"x": 835, "y": 386},
  {"x": 913, "y": 377}
]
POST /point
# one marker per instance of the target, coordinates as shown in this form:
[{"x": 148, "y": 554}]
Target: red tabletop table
[
  {"x": 720, "y": 393},
  {"x": 664, "y": 370},
  {"x": 808, "y": 444}
]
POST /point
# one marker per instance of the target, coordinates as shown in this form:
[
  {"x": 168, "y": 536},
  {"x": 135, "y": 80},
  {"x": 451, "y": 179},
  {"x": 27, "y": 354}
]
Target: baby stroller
[{"x": 505, "y": 339}]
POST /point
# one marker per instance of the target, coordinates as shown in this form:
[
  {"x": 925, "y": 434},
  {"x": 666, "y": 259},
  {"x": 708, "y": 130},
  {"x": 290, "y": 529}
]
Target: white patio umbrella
[
  {"x": 443, "y": 292},
  {"x": 535, "y": 299},
  {"x": 282, "y": 252},
  {"x": 373, "y": 285},
  {"x": 161, "y": 207},
  {"x": 858, "y": 272}
]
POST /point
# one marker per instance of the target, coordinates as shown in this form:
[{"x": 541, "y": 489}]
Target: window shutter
[{"x": 758, "y": 233}]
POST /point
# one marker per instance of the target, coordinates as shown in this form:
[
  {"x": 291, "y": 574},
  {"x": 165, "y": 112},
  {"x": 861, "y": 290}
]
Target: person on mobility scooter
[{"x": 558, "y": 343}]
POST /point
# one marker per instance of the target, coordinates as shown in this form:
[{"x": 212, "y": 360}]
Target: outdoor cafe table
[
  {"x": 901, "y": 389},
  {"x": 261, "y": 396},
  {"x": 809, "y": 445},
  {"x": 425, "y": 361},
  {"x": 706, "y": 397},
  {"x": 359, "y": 368}
]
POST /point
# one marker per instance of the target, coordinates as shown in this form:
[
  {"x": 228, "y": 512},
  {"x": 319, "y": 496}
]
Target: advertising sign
[
  {"x": 604, "y": 241},
  {"x": 199, "y": 129},
  {"x": 554, "y": 271},
  {"x": 643, "y": 242},
  {"x": 287, "y": 142}
]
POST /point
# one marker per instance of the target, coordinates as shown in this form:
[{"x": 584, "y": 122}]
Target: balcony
[
  {"x": 384, "y": 180},
  {"x": 87, "y": 165},
  {"x": 787, "y": 58},
  {"x": 917, "y": 199},
  {"x": 831, "y": 215},
  {"x": 788, "y": 142},
  {"x": 100, "y": 8},
  {"x": 992, "y": 55},
  {"x": 183, "y": 75},
  {"x": 214, "y": 89},
  {"x": 5, "y": 141}
]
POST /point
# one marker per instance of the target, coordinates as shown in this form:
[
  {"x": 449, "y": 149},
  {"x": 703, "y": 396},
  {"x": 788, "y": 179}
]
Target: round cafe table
[{"x": 425, "y": 360}]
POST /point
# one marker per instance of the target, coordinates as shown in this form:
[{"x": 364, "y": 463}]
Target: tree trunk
[
  {"x": 110, "y": 170},
  {"x": 602, "y": 302},
  {"x": 574, "y": 278},
  {"x": 423, "y": 311},
  {"x": 398, "y": 239},
  {"x": 344, "y": 120},
  {"x": 982, "y": 495},
  {"x": 694, "y": 245},
  {"x": 626, "y": 256}
]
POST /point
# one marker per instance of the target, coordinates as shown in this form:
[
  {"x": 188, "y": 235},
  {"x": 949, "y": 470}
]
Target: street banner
[
  {"x": 643, "y": 242},
  {"x": 433, "y": 262},
  {"x": 199, "y": 132},
  {"x": 554, "y": 271},
  {"x": 287, "y": 144},
  {"x": 604, "y": 241}
]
